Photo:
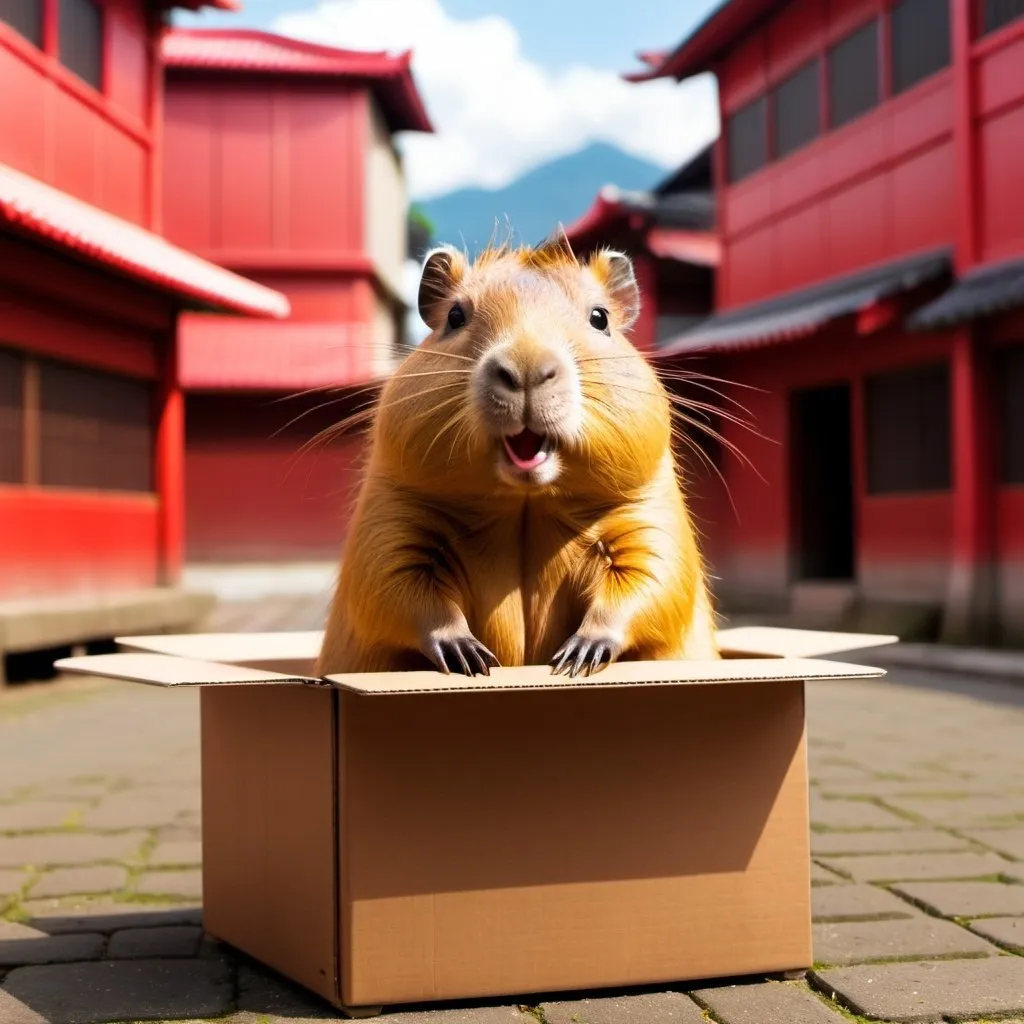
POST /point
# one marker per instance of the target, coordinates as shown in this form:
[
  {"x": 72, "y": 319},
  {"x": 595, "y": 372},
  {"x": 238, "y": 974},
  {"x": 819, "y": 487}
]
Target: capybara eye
[
  {"x": 456, "y": 317},
  {"x": 599, "y": 318}
]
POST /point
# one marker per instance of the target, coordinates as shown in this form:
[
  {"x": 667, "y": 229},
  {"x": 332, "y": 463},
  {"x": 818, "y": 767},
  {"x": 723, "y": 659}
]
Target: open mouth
[{"x": 527, "y": 450}]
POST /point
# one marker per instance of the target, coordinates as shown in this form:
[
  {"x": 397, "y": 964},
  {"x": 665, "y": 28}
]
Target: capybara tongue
[{"x": 525, "y": 449}]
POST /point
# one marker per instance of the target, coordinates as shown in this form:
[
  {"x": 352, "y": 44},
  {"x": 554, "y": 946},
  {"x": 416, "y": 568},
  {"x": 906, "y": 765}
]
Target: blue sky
[
  {"x": 510, "y": 84},
  {"x": 601, "y": 33}
]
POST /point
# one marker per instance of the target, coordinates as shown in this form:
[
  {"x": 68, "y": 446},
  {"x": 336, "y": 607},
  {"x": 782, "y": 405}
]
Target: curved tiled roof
[
  {"x": 35, "y": 208},
  {"x": 389, "y": 76}
]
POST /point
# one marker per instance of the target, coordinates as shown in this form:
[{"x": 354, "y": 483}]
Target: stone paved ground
[{"x": 918, "y": 865}]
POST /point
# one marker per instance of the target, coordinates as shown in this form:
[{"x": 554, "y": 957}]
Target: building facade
[
  {"x": 670, "y": 236},
  {"x": 281, "y": 165},
  {"x": 870, "y": 308},
  {"x": 91, "y": 424}
]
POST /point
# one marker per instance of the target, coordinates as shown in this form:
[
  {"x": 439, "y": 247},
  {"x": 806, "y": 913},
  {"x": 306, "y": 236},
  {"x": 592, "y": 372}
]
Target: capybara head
[{"x": 527, "y": 381}]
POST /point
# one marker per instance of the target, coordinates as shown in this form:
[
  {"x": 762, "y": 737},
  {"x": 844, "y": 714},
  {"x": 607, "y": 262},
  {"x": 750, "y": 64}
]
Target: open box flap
[
  {"x": 623, "y": 673},
  {"x": 296, "y": 652},
  {"x": 167, "y": 670},
  {"x": 288, "y": 652},
  {"x": 780, "y": 642}
]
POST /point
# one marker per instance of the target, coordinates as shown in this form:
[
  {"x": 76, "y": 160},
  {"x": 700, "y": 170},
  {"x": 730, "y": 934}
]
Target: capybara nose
[
  {"x": 509, "y": 378},
  {"x": 504, "y": 376},
  {"x": 544, "y": 371}
]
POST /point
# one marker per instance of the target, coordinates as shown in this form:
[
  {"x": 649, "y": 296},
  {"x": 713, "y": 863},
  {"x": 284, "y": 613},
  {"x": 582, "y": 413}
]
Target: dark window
[
  {"x": 853, "y": 75},
  {"x": 80, "y": 30},
  {"x": 748, "y": 139},
  {"x": 908, "y": 427},
  {"x": 920, "y": 41},
  {"x": 25, "y": 17},
  {"x": 12, "y": 417},
  {"x": 797, "y": 109},
  {"x": 96, "y": 430},
  {"x": 997, "y": 13},
  {"x": 1011, "y": 377}
]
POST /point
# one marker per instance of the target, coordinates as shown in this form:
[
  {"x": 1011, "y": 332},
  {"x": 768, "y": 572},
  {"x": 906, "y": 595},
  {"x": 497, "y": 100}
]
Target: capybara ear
[
  {"x": 442, "y": 271},
  {"x": 614, "y": 270}
]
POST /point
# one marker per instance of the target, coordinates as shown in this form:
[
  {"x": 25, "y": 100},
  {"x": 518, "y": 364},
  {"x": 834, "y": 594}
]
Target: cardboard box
[{"x": 412, "y": 837}]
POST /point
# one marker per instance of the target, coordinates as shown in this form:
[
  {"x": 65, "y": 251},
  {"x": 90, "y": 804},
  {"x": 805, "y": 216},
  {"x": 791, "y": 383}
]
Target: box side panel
[
  {"x": 268, "y": 771},
  {"x": 502, "y": 844}
]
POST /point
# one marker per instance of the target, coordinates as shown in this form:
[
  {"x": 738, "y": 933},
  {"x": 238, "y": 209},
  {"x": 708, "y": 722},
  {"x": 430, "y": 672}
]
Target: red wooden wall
[
  {"x": 261, "y": 175},
  {"x": 902, "y": 542},
  {"x": 96, "y": 145},
  {"x": 252, "y": 493},
  {"x": 999, "y": 83},
  {"x": 55, "y": 539},
  {"x": 876, "y": 188}
]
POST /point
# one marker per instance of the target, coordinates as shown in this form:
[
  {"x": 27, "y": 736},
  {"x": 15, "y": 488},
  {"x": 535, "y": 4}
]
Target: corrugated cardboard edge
[
  {"x": 166, "y": 670},
  {"x": 264, "y": 649},
  {"x": 634, "y": 674}
]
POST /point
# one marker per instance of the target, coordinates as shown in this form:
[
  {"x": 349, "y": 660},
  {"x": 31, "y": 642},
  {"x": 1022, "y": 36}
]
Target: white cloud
[{"x": 497, "y": 114}]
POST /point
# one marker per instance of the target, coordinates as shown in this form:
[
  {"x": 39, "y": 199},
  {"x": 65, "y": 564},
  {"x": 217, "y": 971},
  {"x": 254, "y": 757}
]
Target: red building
[
  {"x": 669, "y": 234},
  {"x": 871, "y": 285},
  {"x": 280, "y": 164},
  {"x": 91, "y": 426}
]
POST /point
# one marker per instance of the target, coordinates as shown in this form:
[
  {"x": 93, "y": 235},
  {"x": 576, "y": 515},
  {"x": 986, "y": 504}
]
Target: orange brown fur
[{"x": 443, "y": 544}]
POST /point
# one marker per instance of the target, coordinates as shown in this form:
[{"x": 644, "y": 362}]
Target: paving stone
[
  {"x": 966, "y": 810},
  {"x": 133, "y": 810},
  {"x": 858, "y": 942},
  {"x": 176, "y": 854},
  {"x": 50, "y": 949},
  {"x": 474, "y": 1015},
  {"x": 263, "y": 992},
  {"x": 1007, "y": 931},
  {"x": 965, "y": 899},
  {"x": 146, "y": 943},
  {"x": 95, "y": 993},
  {"x": 171, "y": 883},
  {"x": 85, "y": 914},
  {"x": 657, "y": 1008},
  {"x": 24, "y": 817},
  {"x": 911, "y": 840},
  {"x": 857, "y": 902},
  {"x": 822, "y": 876},
  {"x": 14, "y": 1011},
  {"x": 853, "y": 814},
  {"x": 80, "y": 881},
  {"x": 774, "y": 1003},
  {"x": 930, "y": 990},
  {"x": 11, "y": 882},
  {"x": 1006, "y": 840},
  {"x": 910, "y": 867},
  {"x": 57, "y": 849}
]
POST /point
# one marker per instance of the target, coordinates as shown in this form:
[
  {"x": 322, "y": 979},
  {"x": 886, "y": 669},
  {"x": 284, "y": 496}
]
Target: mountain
[{"x": 561, "y": 190}]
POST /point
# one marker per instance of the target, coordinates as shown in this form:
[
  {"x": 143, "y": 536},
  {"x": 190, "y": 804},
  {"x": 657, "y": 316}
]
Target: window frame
[
  {"x": 1009, "y": 371},
  {"x": 983, "y": 31},
  {"x": 32, "y": 426},
  {"x": 813, "y": 65},
  {"x": 36, "y": 44},
  {"x": 46, "y": 56},
  {"x": 881, "y": 16},
  {"x": 872, "y": 489}
]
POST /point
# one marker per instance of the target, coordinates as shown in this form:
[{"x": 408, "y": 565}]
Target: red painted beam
[{"x": 169, "y": 466}]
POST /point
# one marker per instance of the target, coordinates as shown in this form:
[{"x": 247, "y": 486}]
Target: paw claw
[
  {"x": 464, "y": 655},
  {"x": 581, "y": 655}
]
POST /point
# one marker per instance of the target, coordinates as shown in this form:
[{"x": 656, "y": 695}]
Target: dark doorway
[{"x": 822, "y": 475}]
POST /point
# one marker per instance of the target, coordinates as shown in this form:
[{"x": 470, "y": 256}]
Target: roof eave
[{"x": 698, "y": 52}]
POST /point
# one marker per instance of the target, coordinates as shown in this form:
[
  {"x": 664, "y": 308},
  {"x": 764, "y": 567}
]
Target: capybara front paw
[
  {"x": 463, "y": 655},
  {"x": 585, "y": 654}
]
